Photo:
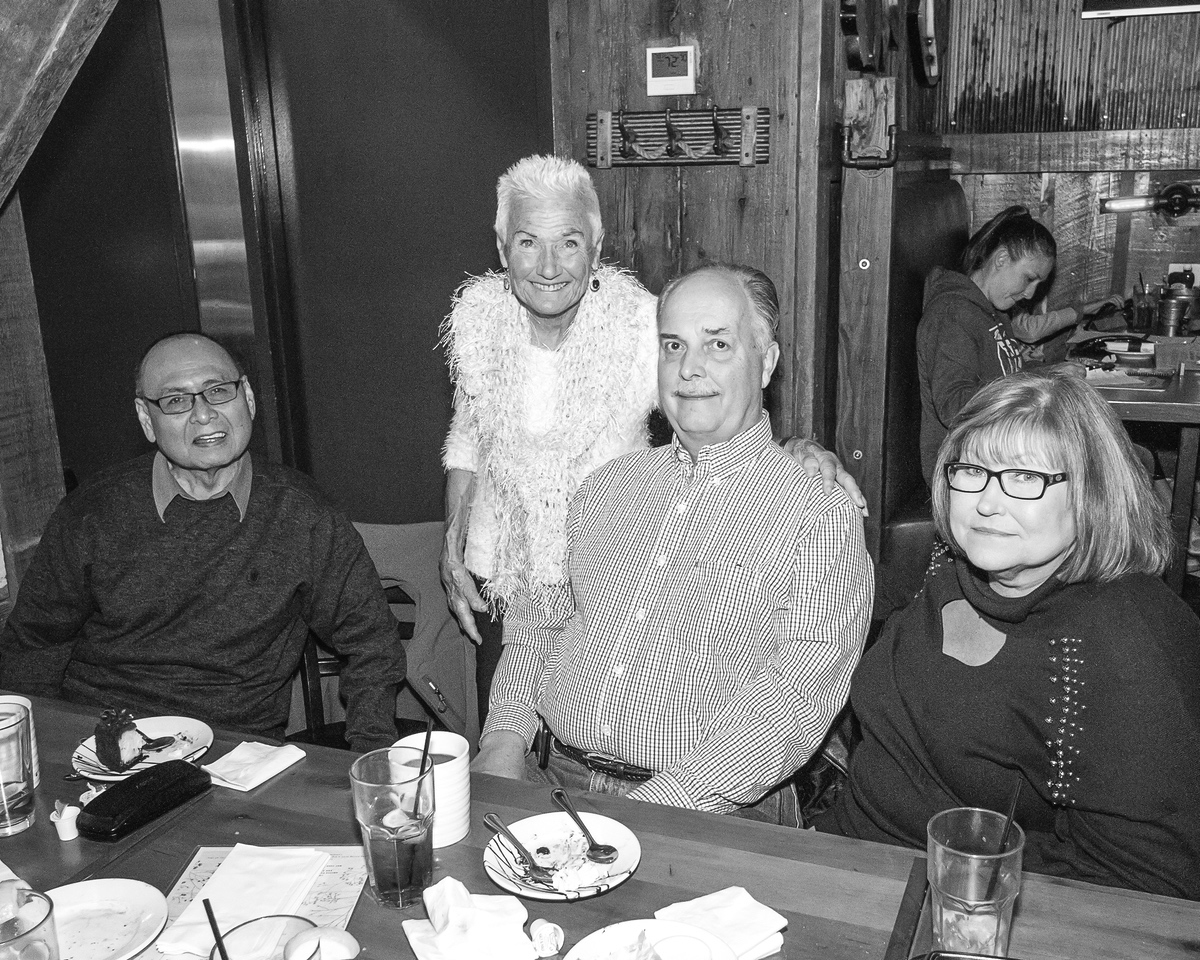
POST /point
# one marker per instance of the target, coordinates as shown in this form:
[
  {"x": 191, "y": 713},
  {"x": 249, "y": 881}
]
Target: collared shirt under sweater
[
  {"x": 201, "y": 611},
  {"x": 714, "y": 614}
]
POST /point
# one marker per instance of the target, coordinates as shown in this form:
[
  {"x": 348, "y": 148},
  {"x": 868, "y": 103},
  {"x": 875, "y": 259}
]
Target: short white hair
[{"x": 546, "y": 178}]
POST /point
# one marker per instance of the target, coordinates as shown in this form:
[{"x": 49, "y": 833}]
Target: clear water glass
[{"x": 973, "y": 882}]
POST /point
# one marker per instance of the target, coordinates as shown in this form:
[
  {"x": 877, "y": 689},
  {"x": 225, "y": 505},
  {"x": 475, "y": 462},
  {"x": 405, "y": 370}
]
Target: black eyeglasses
[
  {"x": 214, "y": 396},
  {"x": 1016, "y": 483}
]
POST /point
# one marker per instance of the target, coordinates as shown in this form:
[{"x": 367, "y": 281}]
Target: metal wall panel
[
  {"x": 204, "y": 140},
  {"x": 1036, "y": 66}
]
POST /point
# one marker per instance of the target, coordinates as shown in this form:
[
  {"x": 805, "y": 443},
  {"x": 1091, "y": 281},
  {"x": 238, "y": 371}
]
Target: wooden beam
[
  {"x": 865, "y": 258},
  {"x": 810, "y": 394},
  {"x": 42, "y": 44},
  {"x": 31, "y": 480},
  {"x": 1091, "y": 151}
]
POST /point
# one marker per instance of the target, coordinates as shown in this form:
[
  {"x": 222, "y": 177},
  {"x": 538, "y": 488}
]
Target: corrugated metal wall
[{"x": 1036, "y": 66}]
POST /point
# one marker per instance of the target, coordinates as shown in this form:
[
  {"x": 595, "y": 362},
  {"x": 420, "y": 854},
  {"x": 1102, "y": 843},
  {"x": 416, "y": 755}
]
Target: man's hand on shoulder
[
  {"x": 814, "y": 459},
  {"x": 502, "y": 754}
]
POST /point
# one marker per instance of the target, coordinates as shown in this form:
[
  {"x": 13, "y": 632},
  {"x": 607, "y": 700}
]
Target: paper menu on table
[{"x": 329, "y": 903}]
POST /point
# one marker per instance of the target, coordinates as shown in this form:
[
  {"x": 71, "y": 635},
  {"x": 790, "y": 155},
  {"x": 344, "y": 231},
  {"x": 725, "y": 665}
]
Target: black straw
[
  {"x": 212, "y": 922},
  {"x": 425, "y": 751},
  {"x": 1008, "y": 822}
]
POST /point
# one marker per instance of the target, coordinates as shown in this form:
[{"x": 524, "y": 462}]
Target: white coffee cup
[
  {"x": 451, "y": 783},
  {"x": 24, "y": 702}
]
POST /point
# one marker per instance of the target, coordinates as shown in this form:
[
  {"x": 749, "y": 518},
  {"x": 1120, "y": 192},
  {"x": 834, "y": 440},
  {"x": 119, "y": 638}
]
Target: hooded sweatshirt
[{"x": 963, "y": 342}]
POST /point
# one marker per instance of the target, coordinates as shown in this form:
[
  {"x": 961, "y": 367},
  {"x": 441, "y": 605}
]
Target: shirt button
[
  {"x": 619, "y": 669},
  {"x": 605, "y": 730},
  {"x": 681, "y": 507},
  {"x": 715, "y": 481},
  {"x": 662, "y": 560},
  {"x": 639, "y": 615}
]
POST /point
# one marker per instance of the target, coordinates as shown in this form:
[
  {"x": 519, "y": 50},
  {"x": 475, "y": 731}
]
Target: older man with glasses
[{"x": 187, "y": 581}]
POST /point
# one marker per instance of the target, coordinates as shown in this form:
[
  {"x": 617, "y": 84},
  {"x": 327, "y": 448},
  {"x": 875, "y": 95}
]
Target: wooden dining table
[
  {"x": 840, "y": 896},
  {"x": 1178, "y": 404}
]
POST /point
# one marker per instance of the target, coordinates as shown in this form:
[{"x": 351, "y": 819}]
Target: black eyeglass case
[{"x": 143, "y": 797}]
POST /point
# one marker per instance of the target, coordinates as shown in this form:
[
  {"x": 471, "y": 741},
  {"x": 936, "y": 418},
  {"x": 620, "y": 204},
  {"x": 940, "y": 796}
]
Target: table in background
[
  {"x": 840, "y": 896},
  {"x": 1179, "y": 403}
]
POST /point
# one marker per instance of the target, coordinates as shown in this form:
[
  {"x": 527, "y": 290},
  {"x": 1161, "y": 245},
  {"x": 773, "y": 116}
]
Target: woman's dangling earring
[
  {"x": 595, "y": 283},
  {"x": 506, "y": 287}
]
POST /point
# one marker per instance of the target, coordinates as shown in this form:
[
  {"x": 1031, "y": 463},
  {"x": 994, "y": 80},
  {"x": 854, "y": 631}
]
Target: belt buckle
[{"x": 608, "y": 765}]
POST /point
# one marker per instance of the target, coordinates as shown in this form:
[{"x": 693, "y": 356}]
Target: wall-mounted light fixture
[{"x": 1174, "y": 201}]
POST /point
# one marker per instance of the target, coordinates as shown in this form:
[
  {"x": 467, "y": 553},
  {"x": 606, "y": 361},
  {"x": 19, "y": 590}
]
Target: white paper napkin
[
  {"x": 248, "y": 765},
  {"x": 751, "y": 929},
  {"x": 6, "y": 872},
  {"x": 250, "y": 882},
  {"x": 466, "y": 926}
]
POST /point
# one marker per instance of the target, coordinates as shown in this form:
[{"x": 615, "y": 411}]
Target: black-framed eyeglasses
[
  {"x": 214, "y": 396},
  {"x": 1017, "y": 483}
]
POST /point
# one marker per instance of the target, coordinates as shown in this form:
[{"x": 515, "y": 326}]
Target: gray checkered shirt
[{"x": 714, "y": 615}]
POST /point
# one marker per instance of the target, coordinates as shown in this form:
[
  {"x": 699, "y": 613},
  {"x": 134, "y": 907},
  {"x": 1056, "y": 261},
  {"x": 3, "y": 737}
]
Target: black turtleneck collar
[{"x": 987, "y": 601}]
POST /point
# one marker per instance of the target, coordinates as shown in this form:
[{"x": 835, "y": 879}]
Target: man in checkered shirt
[{"x": 718, "y": 596}]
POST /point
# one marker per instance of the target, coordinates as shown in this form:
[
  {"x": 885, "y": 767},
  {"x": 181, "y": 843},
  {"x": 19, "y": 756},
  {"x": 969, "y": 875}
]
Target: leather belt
[{"x": 599, "y": 763}]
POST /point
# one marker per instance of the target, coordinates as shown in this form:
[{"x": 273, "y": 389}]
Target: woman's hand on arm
[
  {"x": 462, "y": 596},
  {"x": 814, "y": 459}
]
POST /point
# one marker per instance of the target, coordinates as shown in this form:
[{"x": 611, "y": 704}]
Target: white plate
[
  {"x": 548, "y": 828},
  {"x": 107, "y": 919},
  {"x": 192, "y": 739},
  {"x": 671, "y": 941}
]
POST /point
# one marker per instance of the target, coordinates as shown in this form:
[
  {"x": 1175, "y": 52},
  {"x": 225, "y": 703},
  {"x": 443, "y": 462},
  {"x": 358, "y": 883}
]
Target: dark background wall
[
  {"x": 395, "y": 119},
  {"x": 398, "y": 118},
  {"x": 111, "y": 265}
]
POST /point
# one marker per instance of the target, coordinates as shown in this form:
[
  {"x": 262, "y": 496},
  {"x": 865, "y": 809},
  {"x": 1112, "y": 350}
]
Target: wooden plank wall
[
  {"x": 1036, "y": 65},
  {"x": 1099, "y": 253},
  {"x": 661, "y": 220},
  {"x": 1043, "y": 108}
]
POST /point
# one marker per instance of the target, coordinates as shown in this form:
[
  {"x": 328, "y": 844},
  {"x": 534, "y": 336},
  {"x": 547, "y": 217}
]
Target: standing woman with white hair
[{"x": 555, "y": 368}]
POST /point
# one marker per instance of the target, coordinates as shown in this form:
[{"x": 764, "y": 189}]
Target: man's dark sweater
[{"x": 202, "y": 613}]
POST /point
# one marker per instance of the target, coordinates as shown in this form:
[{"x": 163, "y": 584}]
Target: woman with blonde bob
[{"x": 1043, "y": 649}]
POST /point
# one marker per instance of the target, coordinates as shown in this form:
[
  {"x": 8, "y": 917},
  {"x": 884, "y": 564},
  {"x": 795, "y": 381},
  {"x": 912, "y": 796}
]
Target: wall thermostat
[{"x": 670, "y": 71}]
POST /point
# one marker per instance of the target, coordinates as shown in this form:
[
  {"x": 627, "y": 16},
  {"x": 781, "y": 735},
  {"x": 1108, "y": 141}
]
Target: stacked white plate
[{"x": 451, "y": 783}]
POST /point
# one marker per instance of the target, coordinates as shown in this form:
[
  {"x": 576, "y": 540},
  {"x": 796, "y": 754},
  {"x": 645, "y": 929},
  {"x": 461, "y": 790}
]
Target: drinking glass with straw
[
  {"x": 394, "y": 805},
  {"x": 974, "y": 869}
]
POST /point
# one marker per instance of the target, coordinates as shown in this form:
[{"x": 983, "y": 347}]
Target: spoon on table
[
  {"x": 536, "y": 871},
  {"x": 596, "y": 852}
]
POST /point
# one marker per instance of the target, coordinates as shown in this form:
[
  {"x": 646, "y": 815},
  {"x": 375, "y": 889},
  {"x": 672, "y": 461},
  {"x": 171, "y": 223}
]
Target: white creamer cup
[
  {"x": 65, "y": 823},
  {"x": 24, "y": 702},
  {"x": 451, "y": 783}
]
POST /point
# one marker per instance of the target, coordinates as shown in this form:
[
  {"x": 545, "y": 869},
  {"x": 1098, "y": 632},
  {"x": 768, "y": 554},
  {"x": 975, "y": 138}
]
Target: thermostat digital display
[
  {"x": 668, "y": 65},
  {"x": 670, "y": 71}
]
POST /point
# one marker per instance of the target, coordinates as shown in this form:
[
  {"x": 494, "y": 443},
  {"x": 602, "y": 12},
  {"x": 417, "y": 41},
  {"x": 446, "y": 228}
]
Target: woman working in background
[
  {"x": 555, "y": 365},
  {"x": 1043, "y": 648},
  {"x": 966, "y": 337}
]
